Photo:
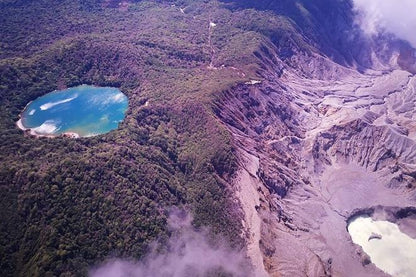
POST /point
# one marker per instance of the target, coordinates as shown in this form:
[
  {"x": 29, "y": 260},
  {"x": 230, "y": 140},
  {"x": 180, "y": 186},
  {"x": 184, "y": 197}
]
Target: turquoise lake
[{"x": 79, "y": 111}]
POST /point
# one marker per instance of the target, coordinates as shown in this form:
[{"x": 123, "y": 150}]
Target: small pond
[{"x": 81, "y": 111}]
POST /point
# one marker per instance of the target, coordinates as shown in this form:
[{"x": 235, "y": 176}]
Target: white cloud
[
  {"x": 48, "y": 127},
  {"x": 49, "y": 105},
  {"x": 189, "y": 252},
  {"x": 393, "y": 16}
]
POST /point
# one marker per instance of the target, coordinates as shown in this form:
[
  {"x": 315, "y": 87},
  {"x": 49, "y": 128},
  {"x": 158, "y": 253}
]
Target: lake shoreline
[
  {"x": 63, "y": 113},
  {"x": 31, "y": 132}
]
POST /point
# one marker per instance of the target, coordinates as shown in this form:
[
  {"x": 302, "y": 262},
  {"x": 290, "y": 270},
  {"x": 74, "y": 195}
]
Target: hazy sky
[{"x": 394, "y": 16}]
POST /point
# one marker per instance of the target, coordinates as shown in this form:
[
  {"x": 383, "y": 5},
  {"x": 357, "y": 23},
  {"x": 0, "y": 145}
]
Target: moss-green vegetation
[{"x": 65, "y": 203}]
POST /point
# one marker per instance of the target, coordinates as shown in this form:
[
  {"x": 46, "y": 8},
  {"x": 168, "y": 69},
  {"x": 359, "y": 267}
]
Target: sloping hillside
[{"x": 272, "y": 122}]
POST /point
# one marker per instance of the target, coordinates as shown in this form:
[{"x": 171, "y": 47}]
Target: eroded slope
[{"x": 326, "y": 145}]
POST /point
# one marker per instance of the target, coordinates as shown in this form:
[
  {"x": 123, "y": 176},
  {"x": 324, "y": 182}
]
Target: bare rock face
[
  {"x": 405, "y": 218},
  {"x": 323, "y": 142}
]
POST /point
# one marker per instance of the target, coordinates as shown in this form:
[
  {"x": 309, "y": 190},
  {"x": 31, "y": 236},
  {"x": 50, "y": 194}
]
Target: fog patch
[
  {"x": 389, "y": 249},
  {"x": 188, "y": 252},
  {"x": 392, "y": 16}
]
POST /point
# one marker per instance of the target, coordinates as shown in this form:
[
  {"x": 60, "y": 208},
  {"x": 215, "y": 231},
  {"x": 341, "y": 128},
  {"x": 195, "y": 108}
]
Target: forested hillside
[
  {"x": 216, "y": 90},
  {"x": 67, "y": 204}
]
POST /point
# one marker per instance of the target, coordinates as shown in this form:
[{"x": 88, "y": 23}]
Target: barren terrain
[{"x": 324, "y": 148}]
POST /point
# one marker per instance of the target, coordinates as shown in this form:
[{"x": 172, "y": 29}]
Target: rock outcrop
[{"x": 327, "y": 140}]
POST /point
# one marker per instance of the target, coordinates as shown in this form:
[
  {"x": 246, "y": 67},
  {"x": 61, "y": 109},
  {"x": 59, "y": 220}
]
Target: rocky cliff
[
  {"x": 273, "y": 122},
  {"x": 321, "y": 138}
]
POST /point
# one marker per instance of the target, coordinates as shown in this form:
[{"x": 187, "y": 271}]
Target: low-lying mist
[
  {"x": 392, "y": 16},
  {"x": 188, "y": 252}
]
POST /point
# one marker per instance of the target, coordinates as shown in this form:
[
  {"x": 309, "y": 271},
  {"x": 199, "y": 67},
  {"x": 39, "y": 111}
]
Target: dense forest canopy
[{"x": 67, "y": 204}]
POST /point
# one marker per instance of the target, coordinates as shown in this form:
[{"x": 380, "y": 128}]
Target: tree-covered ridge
[
  {"x": 67, "y": 204},
  {"x": 81, "y": 201}
]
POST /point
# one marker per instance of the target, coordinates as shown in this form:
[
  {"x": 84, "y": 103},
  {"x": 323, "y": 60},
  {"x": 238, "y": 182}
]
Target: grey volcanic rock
[
  {"x": 329, "y": 141},
  {"x": 405, "y": 217},
  {"x": 375, "y": 236}
]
